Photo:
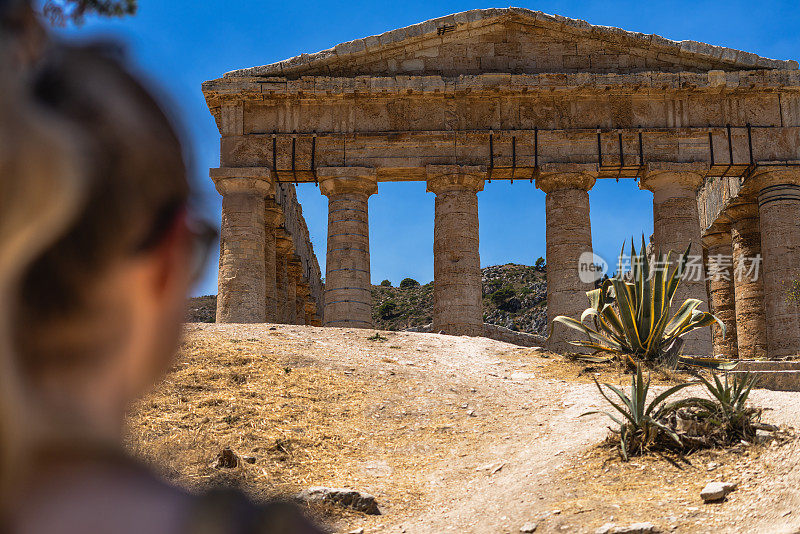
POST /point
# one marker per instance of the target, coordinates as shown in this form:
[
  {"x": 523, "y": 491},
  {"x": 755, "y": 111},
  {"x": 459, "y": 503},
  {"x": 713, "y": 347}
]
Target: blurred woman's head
[
  {"x": 105, "y": 300},
  {"x": 41, "y": 189},
  {"x": 93, "y": 312}
]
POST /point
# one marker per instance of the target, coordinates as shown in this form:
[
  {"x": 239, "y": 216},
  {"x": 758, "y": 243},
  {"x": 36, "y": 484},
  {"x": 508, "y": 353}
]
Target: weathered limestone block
[
  {"x": 721, "y": 292},
  {"x": 779, "y": 211},
  {"x": 510, "y": 40},
  {"x": 281, "y": 217},
  {"x": 568, "y": 235},
  {"x": 284, "y": 249},
  {"x": 457, "y": 305},
  {"x": 348, "y": 298},
  {"x": 714, "y": 197},
  {"x": 676, "y": 225},
  {"x": 273, "y": 217},
  {"x": 751, "y": 326},
  {"x": 716, "y": 491},
  {"x": 527, "y": 102},
  {"x": 296, "y": 274},
  {"x": 242, "y": 284}
]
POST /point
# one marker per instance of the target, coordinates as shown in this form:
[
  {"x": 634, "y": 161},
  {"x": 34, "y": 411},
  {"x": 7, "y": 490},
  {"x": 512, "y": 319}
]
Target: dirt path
[{"x": 470, "y": 435}]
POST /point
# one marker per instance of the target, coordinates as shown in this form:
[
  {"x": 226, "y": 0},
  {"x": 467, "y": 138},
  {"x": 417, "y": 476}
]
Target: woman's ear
[{"x": 170, "y": 261}]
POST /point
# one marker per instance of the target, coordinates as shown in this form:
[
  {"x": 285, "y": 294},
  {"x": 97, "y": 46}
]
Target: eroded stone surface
[
  {"x": 677, "y": 229},
  {"x": 511, "y": 40},
  {"x": 242, "y": 260},
  {"x": 779, "y": 214},
  {"x": 749, "y": 288}
]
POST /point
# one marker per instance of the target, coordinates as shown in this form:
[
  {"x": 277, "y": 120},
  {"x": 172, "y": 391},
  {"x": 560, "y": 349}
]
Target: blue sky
[{"x": 178, "y": 44}]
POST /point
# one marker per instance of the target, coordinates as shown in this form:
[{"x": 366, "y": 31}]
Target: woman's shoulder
[
  {"x": 115, "y": 494},
  {"x": 231, "y": 512}
]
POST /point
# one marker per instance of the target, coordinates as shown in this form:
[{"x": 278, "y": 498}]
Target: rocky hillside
[
  {"x": 514, "y": 296},
  {"x": 202, "y": 309}
]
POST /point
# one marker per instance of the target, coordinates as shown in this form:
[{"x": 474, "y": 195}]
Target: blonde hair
[
  {"x": 41, "y": 191},
  {"x": 89, "y": 165}
]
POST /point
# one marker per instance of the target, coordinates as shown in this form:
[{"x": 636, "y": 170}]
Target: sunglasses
[{"x": 203, "y": 234}]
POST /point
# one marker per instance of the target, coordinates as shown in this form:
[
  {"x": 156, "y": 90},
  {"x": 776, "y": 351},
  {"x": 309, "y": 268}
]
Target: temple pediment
[{"x": 511, "y": 40}]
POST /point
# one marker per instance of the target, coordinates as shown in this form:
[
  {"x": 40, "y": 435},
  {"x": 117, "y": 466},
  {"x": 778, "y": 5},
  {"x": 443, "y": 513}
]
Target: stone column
[
  {"x": 676, "y": 225},
  {"x": 241, "y": 296},
  {"x": 779, "y": 210},
  {"x": 284, "y": 248},
  {"x": 273, "y": 217},
  {"x": 293, "y": 269},
  {"x": 457, "y": 305},
  {"x": 295, "y": 282},
  {"x": 348, "y": 286},
  {"x": 568, "y": 235},
  {"x": 310, "y": 311},
  {"x": 719, "y": 266},
  {"x": 751, "y": 326},
  {"x": 318, "y": 318},
  {"x": 303, "y": 292}
]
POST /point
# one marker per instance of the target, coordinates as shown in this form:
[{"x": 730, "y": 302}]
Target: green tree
[
  {"x": 539, "y": 265},
  {"x": 388, "y": 309},
  {"x": 60, "y": 12},
  {"x": 408, "y": 282},
  {"x": 386, "y": 283},
  {"x": 505, "y": 299}
]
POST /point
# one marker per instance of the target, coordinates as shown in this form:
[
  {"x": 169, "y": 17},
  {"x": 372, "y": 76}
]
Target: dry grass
[
  {"x": 414, "y": 419},
  {"x": 304, "y": 425},
  {"x": 308, "y": 425},
  {"x": 665, "y": 490}
]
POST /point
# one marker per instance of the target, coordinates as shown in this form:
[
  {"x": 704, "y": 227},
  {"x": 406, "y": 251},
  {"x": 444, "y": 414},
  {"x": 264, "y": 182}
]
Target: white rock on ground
[
  {"x": 716, "y": 491},
  {"x": 528, "y": 527}
]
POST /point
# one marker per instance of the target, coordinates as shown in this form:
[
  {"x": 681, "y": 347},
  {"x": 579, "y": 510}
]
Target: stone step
[
  {"x": 765, "y": 365},
  {"x": 786, "y": 378}
]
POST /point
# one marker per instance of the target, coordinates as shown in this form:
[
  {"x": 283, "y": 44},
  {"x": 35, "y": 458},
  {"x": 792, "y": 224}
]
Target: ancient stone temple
[{"x": 513, "y": 94}]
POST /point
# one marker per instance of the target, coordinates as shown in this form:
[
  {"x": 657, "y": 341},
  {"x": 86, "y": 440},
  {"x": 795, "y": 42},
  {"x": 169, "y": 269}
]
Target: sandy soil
[{"x": 451, "y": 434}]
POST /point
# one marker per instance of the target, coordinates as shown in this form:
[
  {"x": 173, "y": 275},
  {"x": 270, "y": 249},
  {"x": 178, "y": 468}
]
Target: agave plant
[
  {"x": 732, "y": 395},
  {"x": 639, "y": 425},
  {"x": 632, "y": 320},
  {"x": 729, "y": 406}
]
